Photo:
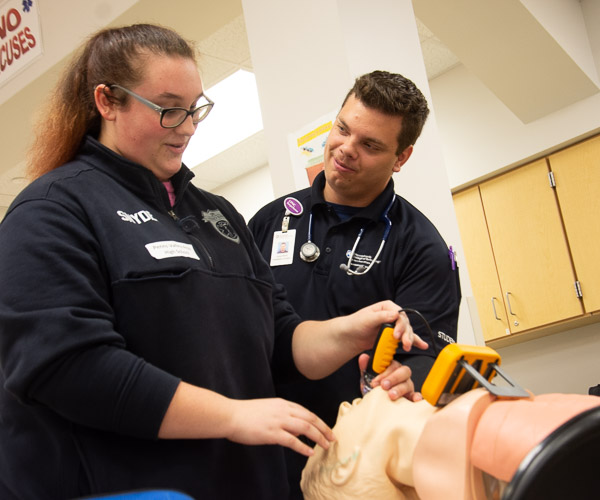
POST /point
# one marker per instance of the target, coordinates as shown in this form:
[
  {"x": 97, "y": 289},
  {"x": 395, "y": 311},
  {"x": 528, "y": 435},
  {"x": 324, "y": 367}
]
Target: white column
[{"x": 306, "y": 56}]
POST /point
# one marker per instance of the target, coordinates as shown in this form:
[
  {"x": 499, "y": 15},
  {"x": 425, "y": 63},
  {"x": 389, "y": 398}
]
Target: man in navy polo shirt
[{"x": 353, "y": 241}]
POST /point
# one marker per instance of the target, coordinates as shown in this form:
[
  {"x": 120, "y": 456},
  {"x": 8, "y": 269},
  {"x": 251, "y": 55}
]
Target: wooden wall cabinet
[
  {"x": 482, "y": 267},
  {"x": 530, "y": 237},
  {"x": 577, "y": 174}
]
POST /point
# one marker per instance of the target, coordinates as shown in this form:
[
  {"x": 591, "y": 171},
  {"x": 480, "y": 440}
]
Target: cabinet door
[
  {"x": 530, "y": 249},
  {"x": 480, "y": 261},
  {"x": 577, "y": 174}
]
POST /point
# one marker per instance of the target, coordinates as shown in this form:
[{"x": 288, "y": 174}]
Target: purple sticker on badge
[{"x": 293, "y": 206}]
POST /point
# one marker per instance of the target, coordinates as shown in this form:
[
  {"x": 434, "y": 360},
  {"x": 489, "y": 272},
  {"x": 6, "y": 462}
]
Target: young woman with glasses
[{"x": 140, "y": 328}]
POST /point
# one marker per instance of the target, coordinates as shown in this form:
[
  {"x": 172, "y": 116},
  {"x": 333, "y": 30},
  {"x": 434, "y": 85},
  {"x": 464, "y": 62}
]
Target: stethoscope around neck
[{"x": 309, "y": 252}]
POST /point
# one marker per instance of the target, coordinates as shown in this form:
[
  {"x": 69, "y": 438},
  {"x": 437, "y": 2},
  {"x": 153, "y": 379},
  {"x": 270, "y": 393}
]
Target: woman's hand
[
  {"x": 368, "y": 320},
  {"x": 321, "y": 347},
  {"x": 277, "y": 421},
  {"x": 197, "y": 413}
]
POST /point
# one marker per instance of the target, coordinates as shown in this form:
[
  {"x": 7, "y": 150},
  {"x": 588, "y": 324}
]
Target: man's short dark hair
[{"x": 394, "y": 95}]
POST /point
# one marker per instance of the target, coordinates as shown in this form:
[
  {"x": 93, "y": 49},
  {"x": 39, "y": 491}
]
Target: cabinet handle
[
  {"x": 516, "y": 323},
  {"x": 508, "y": 302},
  {"x": 494, "y": 308}
]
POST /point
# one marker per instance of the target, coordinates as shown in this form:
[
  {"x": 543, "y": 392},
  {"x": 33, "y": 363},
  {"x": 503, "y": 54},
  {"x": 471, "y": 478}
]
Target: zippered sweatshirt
[{"x": 109, "y": 298}]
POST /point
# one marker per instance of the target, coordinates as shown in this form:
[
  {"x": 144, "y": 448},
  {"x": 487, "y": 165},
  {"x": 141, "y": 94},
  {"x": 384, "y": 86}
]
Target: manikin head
[{"x": 372, "y": 456}]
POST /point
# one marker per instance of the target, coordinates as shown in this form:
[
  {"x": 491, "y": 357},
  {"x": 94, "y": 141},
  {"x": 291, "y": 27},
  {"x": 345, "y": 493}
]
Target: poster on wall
[
  {"x": 20, "y": 37},
  {"x": 306, "y": 148}
]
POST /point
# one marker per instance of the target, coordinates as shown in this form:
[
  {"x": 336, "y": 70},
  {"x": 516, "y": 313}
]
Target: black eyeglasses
[{"x": 172, "y": 117}]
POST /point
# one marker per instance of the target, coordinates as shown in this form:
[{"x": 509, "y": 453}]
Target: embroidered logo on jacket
[
  {"x": 137, "y": 218},
  {"x": 221, "y": 224},
  {"x": 446, "y": 338}
]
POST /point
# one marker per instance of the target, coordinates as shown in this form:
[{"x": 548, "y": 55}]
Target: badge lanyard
[{"x": 283, "y": 241}]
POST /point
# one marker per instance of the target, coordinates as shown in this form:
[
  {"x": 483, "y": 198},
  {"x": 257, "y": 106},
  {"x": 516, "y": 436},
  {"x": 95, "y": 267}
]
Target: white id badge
[{"x": 282, "y": 253}]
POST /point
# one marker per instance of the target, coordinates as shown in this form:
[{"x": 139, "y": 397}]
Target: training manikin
[{"x": 467, "y": 450}]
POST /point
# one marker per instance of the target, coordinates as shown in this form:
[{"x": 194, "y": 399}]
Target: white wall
[
  {"x": 249, "y": 192},
  {"x": 566, "y": 362},
  {"x": 591, "y": 18},
  {"x": 480, "y": 137}
]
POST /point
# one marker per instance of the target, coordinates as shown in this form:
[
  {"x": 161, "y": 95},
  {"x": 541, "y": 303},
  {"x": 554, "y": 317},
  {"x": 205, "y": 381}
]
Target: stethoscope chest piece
[{"x": 309, "y": 252}]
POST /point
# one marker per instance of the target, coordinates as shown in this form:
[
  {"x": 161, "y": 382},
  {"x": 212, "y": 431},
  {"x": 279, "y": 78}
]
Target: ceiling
[
  {"x": 477, "y": 34},
  {"x": 231, "y": 40},
  {"x": 224, "y": 48}
]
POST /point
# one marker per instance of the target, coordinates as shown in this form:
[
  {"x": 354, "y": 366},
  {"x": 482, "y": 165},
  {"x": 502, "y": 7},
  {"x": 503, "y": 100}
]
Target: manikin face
[
  {"x": 134, "y": 130},
  {"x": 372, "y": 456},
  {"x": 361, "y": 154}
]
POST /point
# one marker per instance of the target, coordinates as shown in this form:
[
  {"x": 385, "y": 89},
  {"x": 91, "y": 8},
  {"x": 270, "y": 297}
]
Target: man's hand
[{"x": 395, "y": 379}]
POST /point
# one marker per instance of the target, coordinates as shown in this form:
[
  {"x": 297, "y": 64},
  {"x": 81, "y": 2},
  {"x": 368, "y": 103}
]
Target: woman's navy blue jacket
[{"x": 109, "y": 298}]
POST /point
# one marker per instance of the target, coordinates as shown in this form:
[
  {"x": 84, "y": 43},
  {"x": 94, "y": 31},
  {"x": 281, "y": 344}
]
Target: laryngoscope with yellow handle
[{"x": 458, "y": 369}]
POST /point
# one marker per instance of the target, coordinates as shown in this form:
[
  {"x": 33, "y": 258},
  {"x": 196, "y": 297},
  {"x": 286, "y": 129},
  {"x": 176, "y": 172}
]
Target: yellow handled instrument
[{"x": 382, "y": 355}]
